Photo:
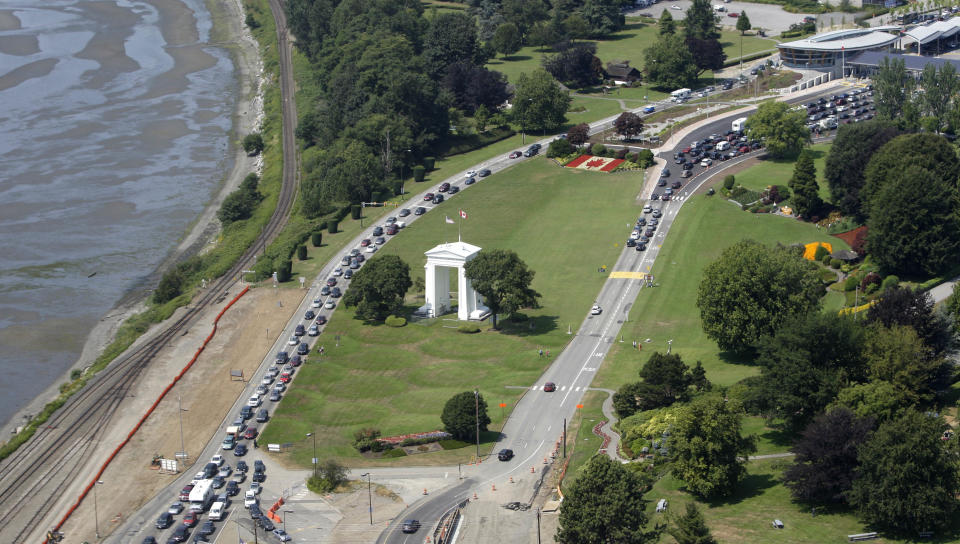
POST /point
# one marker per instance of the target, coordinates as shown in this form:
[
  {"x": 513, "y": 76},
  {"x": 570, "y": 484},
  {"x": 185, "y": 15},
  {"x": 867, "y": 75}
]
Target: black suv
[
  {"x": 505, "y": 455},
  {"x": 262, "y": 415},
  {"x": 165, "y": 520},
  {"x": 258, "y": 466}
]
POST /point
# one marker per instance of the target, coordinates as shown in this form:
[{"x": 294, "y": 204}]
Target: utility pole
[
  {"x": 180, "y": 411},
  {"x": 564, "y": 438},
  {"x": 369, "y": 496},
  {"x": 96, "y": 514},
  {"x": 314, "y": 435},
  {"x": 538, "y": 525}
]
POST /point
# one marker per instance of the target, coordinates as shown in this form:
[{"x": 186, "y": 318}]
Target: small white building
[{"x": 439, "y": 260}]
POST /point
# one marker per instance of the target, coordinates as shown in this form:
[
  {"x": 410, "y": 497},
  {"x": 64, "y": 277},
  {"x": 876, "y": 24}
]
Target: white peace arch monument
[{"x": 439, "y": 260}]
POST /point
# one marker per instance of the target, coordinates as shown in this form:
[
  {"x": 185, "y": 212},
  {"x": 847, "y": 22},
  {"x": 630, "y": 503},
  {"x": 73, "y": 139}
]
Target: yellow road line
[{"x": 627, "y": 275}]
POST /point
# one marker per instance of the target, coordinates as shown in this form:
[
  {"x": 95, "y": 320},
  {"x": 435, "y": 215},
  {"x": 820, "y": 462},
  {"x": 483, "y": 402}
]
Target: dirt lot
[{"x": 245, "y": 334}]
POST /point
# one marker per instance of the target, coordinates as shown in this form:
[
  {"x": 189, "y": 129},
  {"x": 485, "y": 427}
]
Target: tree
[
  {"x": 876, "y": 399},
  {"x": 751, "y": 289},
  {"x": 378, "y": 288},
  {"x": 170, "y": 286},
  {"x": 575, "y": 64},
  {"x": 907, "y": 478},
  {"x": 707, "y": 53},
  {"x": 301, "y": 252},
  {"x": 893, "y": 89},
  {"x": 806, "y": 191},
  {"x": 801, "y": 376},
  {"x": 930, "y": 152},
  {"x": 826, "y": 456},
  {"x": 604, "y": 504},
  {"x": 898, "y": 356},
  {"x": 461, "y": 414},
  {"x": 701, "y": 23},
  {"x": 542, "y": 34},
  {"x": 781, "y": 128},
  {"x": 628, "y": 125},
  {"x": 666, "y": 379},
  {"x": 316, "y": 238},
  {"x": 473, "y": 86},
  {"x": 952, "y": 304},
  {"x": 915, "y": 309},
  {"x": 481, "y": 116},
  {"x": 919, "y": 234},
  {"x": 743, "y": 23},
  {"x": 330, "y": 475},
  {"x": 253, "y": 143},
  {"x": 669, "y": 372},
  {"x": 669, "y": 63},
  {"x": 666, "y": 23},
  {"x": 524, "y": 13},
  {"x": 602, "y": 16},
  {"x": 847, "y": 161},
  {"x": 691, "y": 528},
  {"x": 578, "y": 134},
  {"x": 506, "y": 40},
  {"x": 503, "y": 280},
  {"x": 939, "y": 88},
  {"x": 539, "y": 103},
  {"x": 451, "y": 38},
  {"x": 708, "y": 452},
  {"x": 559, "y": 148}
]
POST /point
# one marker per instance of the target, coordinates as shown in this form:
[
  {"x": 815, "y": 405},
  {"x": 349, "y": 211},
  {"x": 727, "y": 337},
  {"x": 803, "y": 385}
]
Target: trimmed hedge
[
  {"x": 429, "y": 163},
  {"x": 332, "y": 226},
  {"x": 395, "y": 321},
  {"x": 316, "y": 239},
  {"x": 418, "y": 173}
]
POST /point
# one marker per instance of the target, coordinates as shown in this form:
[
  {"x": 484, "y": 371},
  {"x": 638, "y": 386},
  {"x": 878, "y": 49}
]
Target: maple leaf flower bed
[{"x": 596, "y": 164}]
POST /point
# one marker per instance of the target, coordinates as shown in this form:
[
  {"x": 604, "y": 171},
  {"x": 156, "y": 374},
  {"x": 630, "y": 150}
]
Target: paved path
[
  {"x": 613, "y": 447},
  {"x": 944, "y": 290}
]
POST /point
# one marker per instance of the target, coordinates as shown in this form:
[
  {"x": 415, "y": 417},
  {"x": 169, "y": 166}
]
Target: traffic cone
[
  {"x": 493, "y": 487},
  {"x": 424, "y": 490},
  {"x": 511, "y": 479},
  {"x": 545, "y": 460},
  {"x": 531, "y": 470},
  {"x": 474, "y": 495}
]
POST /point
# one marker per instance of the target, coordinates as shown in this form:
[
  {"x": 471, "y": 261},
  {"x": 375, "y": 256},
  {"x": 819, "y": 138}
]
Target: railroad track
[{"x": 34, "y": 477}]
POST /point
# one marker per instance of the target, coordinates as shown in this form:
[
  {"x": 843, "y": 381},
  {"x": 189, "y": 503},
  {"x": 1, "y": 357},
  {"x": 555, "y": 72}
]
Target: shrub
[
  {"x": 316, "y": 239},
  {"x": 889, "y": 282},
  {"x": 870, "y": 279},
  {"x": 418, "y": 173},
  {"x": 397, "y": 188},
  {"x": 871, "y": 288},
  {"x": 301, "y": 252},
  {"x": 284, "y": 271},
  {"x": 559, "y": 148},
  {"x": 826, "y": 259},
  {"x": 364, "y": 439},
  {"x": 728, "y": 182},
  {"x": 835, "y": 263},
  {"x": 75, "y": 374},
  {"x": 355, "y": 212},
  {"x": 821, "y": 252},
  {"x": 621, "y": 153},
  {"x": 598, "y": 149},
  {"x": 395, "y": 321},
  {"x": 332, "y": 226},
  {"x": 429, "y": 163},
  {"x": 644, "y": 158},
  {"x": 253, "y": 143},
  {"x": 322, "y": 226},
  {"x": 171, "y": 286},
  {"x": 850, "y": 283},
  {"x": 469, "y": 328}
]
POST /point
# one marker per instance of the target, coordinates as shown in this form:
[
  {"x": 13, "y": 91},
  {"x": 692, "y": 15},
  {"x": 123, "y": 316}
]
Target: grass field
[
  {"x": 779, "y": 171},
  {"x": 668, "y": 311},
  {"x": 627, "y": 44},
  {"x": 398, "y": 380}
]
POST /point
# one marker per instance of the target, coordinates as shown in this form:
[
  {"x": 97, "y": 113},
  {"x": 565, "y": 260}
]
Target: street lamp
[
  {"x": 314, "y": 435},
  {"x": 402, "y": 181},
  {"x": 96, "y": 514},
  {"x": 476, "y": 399},
  {"x": 285, "y": 512},
  {"x": 369, "y": 496},
  {"x": 180, "y": 411}
]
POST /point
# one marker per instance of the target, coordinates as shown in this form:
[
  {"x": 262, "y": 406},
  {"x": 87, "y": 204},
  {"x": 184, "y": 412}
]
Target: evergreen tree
[
  {"x": 806, "y": 190},
  {"x": 691, "y": 528},
  {"x": 667, "y": 24},
  {"x": 701, "y": 23},
  {"x": 743, "y": 23}
]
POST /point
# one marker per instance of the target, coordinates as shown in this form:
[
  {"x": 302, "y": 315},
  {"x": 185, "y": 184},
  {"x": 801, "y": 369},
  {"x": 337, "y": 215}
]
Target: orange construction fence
[{"x": 103, "y": 468}]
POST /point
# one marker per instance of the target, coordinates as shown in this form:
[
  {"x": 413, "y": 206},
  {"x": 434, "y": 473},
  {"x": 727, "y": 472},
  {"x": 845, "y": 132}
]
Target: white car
[
  {"x": 267, "y": 379},
  {"x": 225, "y": 471},
  {"x": 330, "y": 304},
  {"x": 281, "y": 387},
  {"x": 338, "y": 271},
  {"x": 371, "y": 248},
  {"x": 313, "y": 330},
  {"x": 634, "y": 235},
  {"x": 706, "y": 162},
  {"x": 596, "y": 310},
  {"x": 281, "y": 535},
  {"x": 175, "y": 508},
  {"x": 294, "y": 340},
  {"x": 254, "y": 401},
  {"x": 470, "y": 174},
  {"x": 217, "y": 459},
  {"x": 647, "y": 209},
  {"x": 676, "y": 7},
  {"x": 316, "y": 303},
  {"x": 250, "y": 499}
]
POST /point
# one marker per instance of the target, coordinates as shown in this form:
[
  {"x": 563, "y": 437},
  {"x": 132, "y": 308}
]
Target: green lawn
[
  {"x": 582, "y": 442},
  {"x": 778, "y": 171},
  {"x": 627, "y": 44},
  {"x": 397, "y": 380},
  {"x": 746, "y": 517},
  {"x": 668, "y": 311}
]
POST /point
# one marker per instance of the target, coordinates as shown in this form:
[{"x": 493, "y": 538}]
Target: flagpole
[{"x": 459, "y": 225}]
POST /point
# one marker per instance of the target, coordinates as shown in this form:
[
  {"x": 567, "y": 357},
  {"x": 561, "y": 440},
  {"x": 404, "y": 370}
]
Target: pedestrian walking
[{"x": 541, "y": 353}]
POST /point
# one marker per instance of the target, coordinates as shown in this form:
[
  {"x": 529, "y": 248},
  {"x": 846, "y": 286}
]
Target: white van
[
  {"x": 723, "y": 146},
  {"x": 217, "y": 511},
  {"x": 738, "y": 124}
]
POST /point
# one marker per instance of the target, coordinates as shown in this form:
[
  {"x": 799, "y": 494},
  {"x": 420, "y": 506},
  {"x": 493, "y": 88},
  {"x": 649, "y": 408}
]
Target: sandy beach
[{"x": 247, "y": 118}]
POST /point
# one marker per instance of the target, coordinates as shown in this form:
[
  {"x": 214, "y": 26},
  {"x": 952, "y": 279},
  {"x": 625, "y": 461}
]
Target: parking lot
[{"x": 769, "y": 17}]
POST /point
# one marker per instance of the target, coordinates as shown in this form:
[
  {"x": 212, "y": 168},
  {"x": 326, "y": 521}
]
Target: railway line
[{"x": 35, "y": 476}]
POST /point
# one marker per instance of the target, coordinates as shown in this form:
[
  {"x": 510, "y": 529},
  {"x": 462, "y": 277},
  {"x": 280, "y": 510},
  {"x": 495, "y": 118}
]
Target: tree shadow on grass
[
  {"x": 737, "y": 358},
  {"x": 751, "y": 486},
  {"x": 778, "y": 437},
  {"x": 535, "y": 326}
]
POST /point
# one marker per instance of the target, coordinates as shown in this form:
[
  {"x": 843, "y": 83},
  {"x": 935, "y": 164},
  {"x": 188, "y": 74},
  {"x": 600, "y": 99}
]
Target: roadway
[{"x": 536, "y": 422}]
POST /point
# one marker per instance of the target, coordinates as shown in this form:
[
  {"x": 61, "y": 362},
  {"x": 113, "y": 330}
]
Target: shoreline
[{"x": 227, "y": 18}]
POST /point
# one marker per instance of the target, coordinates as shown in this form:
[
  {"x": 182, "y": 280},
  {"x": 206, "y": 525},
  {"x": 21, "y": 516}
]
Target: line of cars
[{"x": 850, "y": 107}]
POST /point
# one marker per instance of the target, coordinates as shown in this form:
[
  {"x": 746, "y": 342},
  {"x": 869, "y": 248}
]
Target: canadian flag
[{"x": 463, "y": 214}]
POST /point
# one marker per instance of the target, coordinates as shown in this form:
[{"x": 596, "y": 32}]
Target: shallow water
[{"x": 114, "y": 132}]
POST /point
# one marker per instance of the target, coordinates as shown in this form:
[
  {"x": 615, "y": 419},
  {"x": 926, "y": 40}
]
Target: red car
[
  {"x": 733, "y": 14},
  {"x": 744, "y": 149},
  {"x": 185, "y": 492},
  {"x": 365, "y": 242},
  {"x": 549, "y": 387},
  {"x": 251, "y": 433},
  {"x": 515, "y": 154},
  {"x": 285, "y": 377},
  {"x": 428, "y": 196},
  {"x": 190, "y": 519},
  {"x": 444, "y": 187}
]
